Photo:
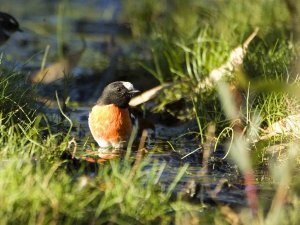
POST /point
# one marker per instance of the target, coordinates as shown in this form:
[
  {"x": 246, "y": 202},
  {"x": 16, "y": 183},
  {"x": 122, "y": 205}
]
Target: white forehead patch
[{"x": 128, "y": 85}]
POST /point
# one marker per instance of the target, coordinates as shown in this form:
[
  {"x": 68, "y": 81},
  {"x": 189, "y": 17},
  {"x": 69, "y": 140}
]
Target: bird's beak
[{"x": 20, "y": 30}]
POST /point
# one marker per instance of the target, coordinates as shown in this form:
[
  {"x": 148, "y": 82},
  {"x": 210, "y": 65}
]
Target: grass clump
[
  {"x": 268, "y": 62},
  {"x": 187, "y": 64},
  {"x": 30, "y": 140},
  {"x": 17, "y": 97}
]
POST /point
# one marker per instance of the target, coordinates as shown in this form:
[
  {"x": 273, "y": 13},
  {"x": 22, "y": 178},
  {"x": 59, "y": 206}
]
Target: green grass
[
  {"x": 17, "y": 98},
  {"x": 38, "y": 187},
  {"x": 187, "y": 62}
]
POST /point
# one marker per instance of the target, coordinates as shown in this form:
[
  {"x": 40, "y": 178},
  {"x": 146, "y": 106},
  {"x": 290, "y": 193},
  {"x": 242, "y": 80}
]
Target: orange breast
[{"x": 110, "y": 123}]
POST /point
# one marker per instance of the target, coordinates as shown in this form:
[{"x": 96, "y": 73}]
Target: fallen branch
[
  {"x": 233, "y": 63},
  {"x": 288, "y": 126},
  {"x": 148, "y": 95}
]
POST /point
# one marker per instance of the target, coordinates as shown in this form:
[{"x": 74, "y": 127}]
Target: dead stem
[
  {"x": 75, "y": 147},
  {"x": 140, "y": 154}
]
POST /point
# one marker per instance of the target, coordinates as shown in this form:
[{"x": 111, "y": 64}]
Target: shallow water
[{"x": 221, "y": 182}]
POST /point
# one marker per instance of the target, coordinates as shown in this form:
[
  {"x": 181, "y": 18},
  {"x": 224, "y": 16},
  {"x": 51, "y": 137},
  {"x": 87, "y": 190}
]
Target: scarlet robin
[
  {"x": 109, "y": 121},
  {"x": 8, "y": 25}
]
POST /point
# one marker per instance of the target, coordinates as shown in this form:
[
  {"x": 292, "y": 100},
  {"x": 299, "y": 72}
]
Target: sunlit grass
[
  {"x": 36, "y": 189},
  {"x": 17, "y": 98},
  {"x": 187, "y": 65}
]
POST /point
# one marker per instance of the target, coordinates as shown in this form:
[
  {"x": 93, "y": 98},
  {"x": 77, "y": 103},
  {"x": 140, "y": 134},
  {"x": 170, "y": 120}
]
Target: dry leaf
[
  {"x": 148, "y": 95},
  {"x": 59, "y": 69}
]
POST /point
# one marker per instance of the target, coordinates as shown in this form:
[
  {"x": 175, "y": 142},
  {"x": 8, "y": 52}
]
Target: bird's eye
[{"x": 118, "y": 89}]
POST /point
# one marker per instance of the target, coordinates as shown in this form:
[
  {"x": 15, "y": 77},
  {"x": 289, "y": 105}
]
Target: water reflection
[{"x": 102, "y": 155}]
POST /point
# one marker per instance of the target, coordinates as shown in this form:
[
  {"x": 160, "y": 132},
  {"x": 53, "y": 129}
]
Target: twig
[
  {"x": 140, "y": 153},
  {"x": 197, "y": 149},
  {"x": 75, "y": 147}
]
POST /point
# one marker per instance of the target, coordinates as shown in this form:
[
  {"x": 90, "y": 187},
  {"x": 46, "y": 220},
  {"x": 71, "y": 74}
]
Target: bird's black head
[
  {"x": 8, "y": 23},
  {"x": 118, "y": 93}
]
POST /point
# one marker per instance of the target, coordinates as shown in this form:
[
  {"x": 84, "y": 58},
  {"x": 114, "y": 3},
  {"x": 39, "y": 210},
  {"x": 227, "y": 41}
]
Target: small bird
[
  {"x": 8, "y": 26},
  {"x": 110, "y": 121}
]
